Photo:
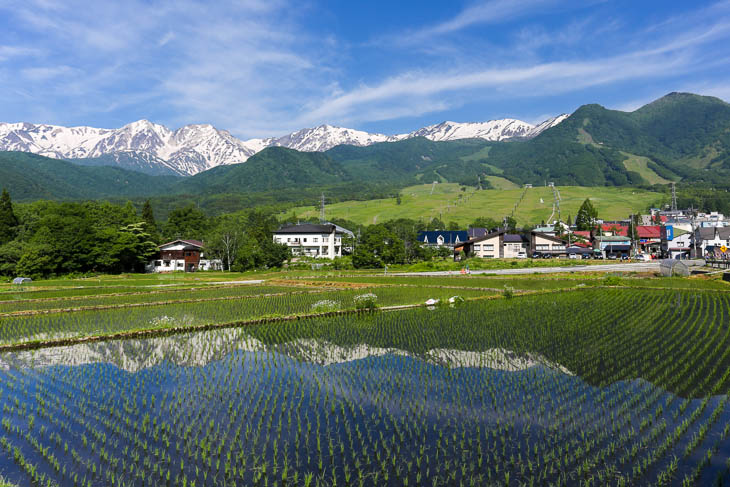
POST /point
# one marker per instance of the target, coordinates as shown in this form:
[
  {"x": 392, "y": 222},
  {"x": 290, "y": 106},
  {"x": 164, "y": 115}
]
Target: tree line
[{"x": 48, "y": 238}]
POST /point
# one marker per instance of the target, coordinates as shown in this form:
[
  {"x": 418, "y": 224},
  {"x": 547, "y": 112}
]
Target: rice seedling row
[
  {"x": 18, "y": 329},
  {"x": 120, "y": 301},
  {"x": 592, "y": 387}
]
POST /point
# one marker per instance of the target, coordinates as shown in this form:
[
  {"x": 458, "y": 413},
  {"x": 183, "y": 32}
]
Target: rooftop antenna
[
  {"x": 674, "y": 196},
  {"x": 321, "y": 210}
]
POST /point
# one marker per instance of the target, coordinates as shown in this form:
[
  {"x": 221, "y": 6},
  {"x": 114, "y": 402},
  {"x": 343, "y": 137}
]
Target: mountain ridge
[{"x": 155, "y": 149}]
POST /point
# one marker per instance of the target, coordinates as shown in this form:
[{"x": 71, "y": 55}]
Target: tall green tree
[
  {"x": 510, "y": 224},
  {"x": 185, "y": 222},
  {"x": 148, "y": 217},
  {"x": 8, "y": 220},
  {"x": 484, "y": 222},
  {"x": 587, "y": 216},
  {"x": 378, "y": 246}
]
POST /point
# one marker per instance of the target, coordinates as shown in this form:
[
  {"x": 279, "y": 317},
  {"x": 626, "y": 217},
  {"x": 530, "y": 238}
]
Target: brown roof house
[{"x": 184, "y": 256}]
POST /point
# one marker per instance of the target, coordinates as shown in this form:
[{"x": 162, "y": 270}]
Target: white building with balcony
[{"x": 313, "y": 240}]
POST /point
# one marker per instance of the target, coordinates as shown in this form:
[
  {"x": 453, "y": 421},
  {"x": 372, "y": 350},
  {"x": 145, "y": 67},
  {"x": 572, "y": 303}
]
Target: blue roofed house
[{"x": 440, "y": 238}]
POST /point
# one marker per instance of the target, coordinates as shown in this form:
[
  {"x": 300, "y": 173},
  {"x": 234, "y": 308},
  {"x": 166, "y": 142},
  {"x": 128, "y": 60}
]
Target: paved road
[{"x": 618, "y": 267}]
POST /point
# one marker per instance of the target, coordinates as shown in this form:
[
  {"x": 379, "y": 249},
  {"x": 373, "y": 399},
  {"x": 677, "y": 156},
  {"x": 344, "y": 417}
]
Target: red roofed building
[
  {"x": 650, "y": 238},
  {"x": 614, "y": 230}
]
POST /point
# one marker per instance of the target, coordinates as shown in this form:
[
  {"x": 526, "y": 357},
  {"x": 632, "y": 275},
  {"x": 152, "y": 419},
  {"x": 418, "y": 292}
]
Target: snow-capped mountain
[
  {"x": 185, "y": 151},
  {"x": 496, "y": 130},
  {"x": 155, "y": 149},
  {"x": 325, "y": 137}
]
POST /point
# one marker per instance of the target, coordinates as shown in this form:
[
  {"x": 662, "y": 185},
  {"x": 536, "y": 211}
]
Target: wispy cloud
[
  {"x": 257, "y": 68},
  {"x": 8, "y": 52}
]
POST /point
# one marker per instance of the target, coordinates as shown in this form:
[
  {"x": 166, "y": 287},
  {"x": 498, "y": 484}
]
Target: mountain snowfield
[{"x": 195, "y": 148}]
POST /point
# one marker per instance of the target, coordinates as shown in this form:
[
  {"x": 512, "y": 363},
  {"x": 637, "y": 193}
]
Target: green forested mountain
[
  {"x": 132, "y": 161},
  {"x": 388, "y": 163},
  {"x": 272, "y": 168},
  {"x": 680, "y": 136},
  {"x": 30, "y": 177}
]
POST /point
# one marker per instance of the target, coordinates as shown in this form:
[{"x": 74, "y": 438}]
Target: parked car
[
  {"x": 612, "y": 257},
  {"x": 642, "y": 257},
  {"x": 573, "y": 256},
  {"x": 536, "y": 255},
  {"x": 521, "y": 255}
]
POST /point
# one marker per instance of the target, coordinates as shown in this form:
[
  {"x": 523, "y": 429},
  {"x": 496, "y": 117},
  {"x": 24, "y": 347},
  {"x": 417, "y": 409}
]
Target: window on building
[
  {"x": 315, "y": 240},
  {"x": 325, "y": 239},
  {"x": 158, "y": 263},
  {"x": 477, "y": 247},
  {"x": 167, "y": 263},
  {"x": 488, "y": 247},
  {"x": 187, "y": 254},
  {"x": 304, "y": 239},
  {"x": 542, "y": 247},
  {"x": 558, "y": 247}
]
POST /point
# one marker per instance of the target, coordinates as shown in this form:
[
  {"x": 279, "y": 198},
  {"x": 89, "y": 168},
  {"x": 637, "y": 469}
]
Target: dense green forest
[{"x": 30, "y": 177}]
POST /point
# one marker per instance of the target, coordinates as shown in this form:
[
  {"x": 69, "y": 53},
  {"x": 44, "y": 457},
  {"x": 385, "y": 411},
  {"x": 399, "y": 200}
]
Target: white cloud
[
  {"x": 45, "y": 73},
  {"x": 254, "y": 68},
  {"x": 166, "y": 38},
  {"x": 8, "y": 52}
]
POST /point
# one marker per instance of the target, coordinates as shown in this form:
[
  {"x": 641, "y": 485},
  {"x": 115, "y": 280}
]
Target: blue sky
[{"x": 267, "y": 67}]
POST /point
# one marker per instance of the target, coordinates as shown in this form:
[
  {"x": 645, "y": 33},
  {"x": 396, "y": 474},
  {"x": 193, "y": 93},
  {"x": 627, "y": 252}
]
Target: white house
[
  {"x": 184, "y": 256},
  {"x": 313, "y": 240},
  {"x": 711, "y": 239}
]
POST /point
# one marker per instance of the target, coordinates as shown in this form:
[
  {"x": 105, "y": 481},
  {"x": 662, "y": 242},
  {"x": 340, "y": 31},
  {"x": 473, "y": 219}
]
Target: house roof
[
  {"x": 449, "y": 236},
  {"x": 613, "y": 238},
  {"x": 477, "y": 232},
  {"x": 649, "y": 231},
  {"x": 615, "y": 228},
  {"x": 547, "y": 237},
  {"x": 586, "y": 234},
  {"x": 188, "y": 242},
  {"x": 708, "y": 233},
  {"x": 544, "y": 229},
  {"x": 308, "y": 228},
  {"x": 514, "y": 237}
]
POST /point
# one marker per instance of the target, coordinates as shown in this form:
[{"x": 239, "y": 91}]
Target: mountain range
[
  {"x": 679, "y": 137},
  {"x": 154, "y": 149}
]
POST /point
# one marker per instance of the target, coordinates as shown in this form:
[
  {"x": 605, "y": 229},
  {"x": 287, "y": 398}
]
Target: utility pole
[
  {"x": 321, "y": 210},
  {"x": 674, "y": 196}
]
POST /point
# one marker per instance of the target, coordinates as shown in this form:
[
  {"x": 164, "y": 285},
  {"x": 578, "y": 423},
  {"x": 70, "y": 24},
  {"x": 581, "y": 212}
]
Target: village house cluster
[{"x": 659, "y": 235}]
